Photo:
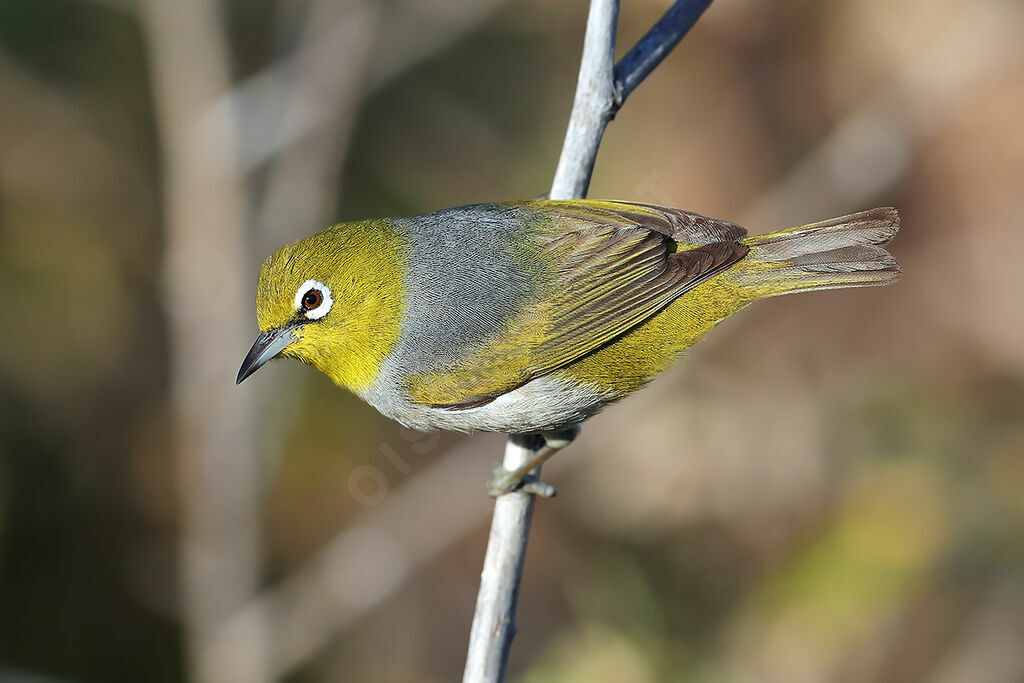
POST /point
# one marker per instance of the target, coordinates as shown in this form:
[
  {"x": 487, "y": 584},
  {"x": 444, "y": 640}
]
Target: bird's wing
[
  {"x": 610, "y": 266},
  {"x": 684, "y": 227}
]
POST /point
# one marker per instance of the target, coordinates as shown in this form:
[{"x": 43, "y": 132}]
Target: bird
[{"x": 529, "y": 317}]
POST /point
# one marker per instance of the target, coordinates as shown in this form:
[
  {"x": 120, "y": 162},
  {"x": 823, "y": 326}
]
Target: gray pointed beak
[{"x": 266, "y": 346}]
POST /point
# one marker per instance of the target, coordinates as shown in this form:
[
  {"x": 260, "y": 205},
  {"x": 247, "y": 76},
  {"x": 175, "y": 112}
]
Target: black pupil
[{"x": 311, "y": 299}]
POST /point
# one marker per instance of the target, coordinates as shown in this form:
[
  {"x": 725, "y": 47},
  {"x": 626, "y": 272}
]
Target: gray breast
[{"x": 466, "y": 277}]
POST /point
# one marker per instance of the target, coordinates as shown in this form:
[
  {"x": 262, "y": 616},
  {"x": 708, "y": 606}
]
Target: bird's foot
[
  {"x": 521, "y": 479},
  {"x": 507, "y": 481}
]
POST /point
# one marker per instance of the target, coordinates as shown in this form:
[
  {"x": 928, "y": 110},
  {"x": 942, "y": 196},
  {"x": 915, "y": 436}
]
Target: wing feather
[{"x": 612, "y": 266}]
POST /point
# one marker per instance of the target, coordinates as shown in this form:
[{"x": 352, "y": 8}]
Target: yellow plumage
[
  {"x": 365, "y": 264},
  {"x": 531, "y": 316}
]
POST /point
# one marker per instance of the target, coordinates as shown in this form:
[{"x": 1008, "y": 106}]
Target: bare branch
[
  {"x": 591, "y": 106},
  {"x": 597, "y": 98},
  {"x": 647, "y": 54},
  {"x": 602, "y": 90},
  {"x": 494, "y": 620},
  {"x": 493, "y": 628}
]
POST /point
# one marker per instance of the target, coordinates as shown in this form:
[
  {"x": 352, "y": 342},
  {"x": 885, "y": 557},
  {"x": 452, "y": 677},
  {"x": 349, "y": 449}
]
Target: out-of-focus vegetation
[{"x": 831, "y": 488}]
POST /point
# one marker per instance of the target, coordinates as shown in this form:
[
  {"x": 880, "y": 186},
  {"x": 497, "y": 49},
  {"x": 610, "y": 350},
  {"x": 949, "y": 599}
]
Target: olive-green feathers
[
  {"x": 531, "y": 316},
  {"x": 607, "y": 268}
]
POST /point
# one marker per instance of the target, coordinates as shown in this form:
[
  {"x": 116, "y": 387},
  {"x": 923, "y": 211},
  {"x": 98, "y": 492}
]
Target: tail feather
[{"x": 841, "y": 252}]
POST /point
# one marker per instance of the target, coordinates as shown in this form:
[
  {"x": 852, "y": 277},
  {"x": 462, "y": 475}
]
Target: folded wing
[{"x": 610, "y": 266}]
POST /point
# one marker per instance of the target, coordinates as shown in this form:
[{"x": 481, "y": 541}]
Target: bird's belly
[{"x": 547, "y": 403}]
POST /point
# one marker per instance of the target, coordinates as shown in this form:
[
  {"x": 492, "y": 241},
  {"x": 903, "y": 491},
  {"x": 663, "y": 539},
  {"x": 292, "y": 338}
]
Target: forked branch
[{"x": 601, "y": 90}]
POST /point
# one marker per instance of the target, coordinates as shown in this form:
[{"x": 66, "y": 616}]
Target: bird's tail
[{"x": 842, "y": 252}]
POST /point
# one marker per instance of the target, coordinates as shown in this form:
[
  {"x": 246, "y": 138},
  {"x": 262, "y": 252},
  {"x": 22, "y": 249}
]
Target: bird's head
[{"x": 333, "y": 301}]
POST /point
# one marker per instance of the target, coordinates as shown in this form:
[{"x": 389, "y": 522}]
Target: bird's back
[{"x": 469, "y": 273}]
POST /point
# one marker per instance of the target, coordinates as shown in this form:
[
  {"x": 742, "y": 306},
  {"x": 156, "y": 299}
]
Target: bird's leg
[{"x": 544, "y": 446}]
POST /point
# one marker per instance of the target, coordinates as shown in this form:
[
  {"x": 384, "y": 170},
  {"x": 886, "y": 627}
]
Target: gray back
[{"x": 464, "y": 280}]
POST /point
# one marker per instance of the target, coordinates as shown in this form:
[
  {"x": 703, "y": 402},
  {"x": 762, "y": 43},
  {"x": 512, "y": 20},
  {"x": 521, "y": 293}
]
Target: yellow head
[{"x": 334, "y": 301}]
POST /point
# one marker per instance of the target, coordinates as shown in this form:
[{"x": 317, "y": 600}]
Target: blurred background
[{"x": 830, "y": 488}]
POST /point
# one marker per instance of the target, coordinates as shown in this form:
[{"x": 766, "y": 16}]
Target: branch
[
  {"x": 647, "y": 54},
  {"x": 600, "y": 91},
  {"x": 490, "y": 636},
  {"x": 591, "y": 106}
]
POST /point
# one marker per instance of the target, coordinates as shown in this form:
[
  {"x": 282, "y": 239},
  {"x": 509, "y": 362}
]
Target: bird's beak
[{"x": 266, "y": 346}]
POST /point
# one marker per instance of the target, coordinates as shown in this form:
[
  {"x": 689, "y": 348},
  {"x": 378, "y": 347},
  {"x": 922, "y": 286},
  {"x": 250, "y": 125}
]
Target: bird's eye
[{"x": 312, "y": 299}]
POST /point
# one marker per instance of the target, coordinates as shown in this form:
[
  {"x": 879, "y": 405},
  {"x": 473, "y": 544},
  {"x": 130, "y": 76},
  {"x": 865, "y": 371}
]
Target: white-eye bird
[{"x": 529, "y": 317}]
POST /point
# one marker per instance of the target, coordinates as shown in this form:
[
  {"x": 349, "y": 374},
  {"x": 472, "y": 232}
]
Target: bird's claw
[
  {"x": 539, "y": 488},
  {"x": 506, "y": 481},
  {"x": 543, "y": 445}
]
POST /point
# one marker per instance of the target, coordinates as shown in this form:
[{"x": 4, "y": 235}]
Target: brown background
[{"x": 830, "y": 488}]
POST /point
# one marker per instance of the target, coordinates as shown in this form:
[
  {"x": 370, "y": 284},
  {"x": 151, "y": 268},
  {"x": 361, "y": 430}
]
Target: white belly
[{"x": 547, "y": 403}]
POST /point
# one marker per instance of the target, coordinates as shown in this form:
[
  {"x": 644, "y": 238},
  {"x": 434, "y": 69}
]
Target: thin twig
[
  {"x": 647, "y": 54},
  {"x": 493, "y": 629},
  {"x": 600, "y": 91},
  {"x": 591, "y": 106},
  {"x": 494, "y": 626}
]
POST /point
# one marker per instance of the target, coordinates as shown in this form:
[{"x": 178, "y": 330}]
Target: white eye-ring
[{"x": 313, "y": 299}]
